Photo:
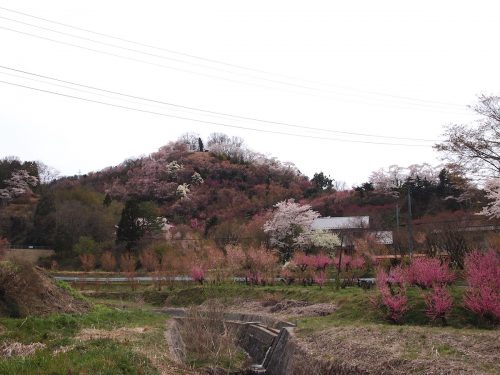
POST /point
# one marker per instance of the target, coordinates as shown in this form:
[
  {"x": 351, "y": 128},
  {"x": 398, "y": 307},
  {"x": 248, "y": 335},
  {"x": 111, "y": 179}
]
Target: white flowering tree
[
  {"x": 492, "y": 189},
  {"x": 196, "y": 179},
  {"x": 183, "y": 191},
  {"x": 325, "y": 240},
  {"x": 18, "y": 184},
  {"x": 173, "y": 167},
  {"x": 290, "y": 226}
]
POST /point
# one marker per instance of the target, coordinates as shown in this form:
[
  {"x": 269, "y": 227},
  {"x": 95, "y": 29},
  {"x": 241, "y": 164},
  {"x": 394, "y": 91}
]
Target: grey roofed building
[{"x": 339, "y": 223}]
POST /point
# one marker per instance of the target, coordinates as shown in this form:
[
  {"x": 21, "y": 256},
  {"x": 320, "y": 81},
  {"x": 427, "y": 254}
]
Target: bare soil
[{"x": 284, "y": 309}]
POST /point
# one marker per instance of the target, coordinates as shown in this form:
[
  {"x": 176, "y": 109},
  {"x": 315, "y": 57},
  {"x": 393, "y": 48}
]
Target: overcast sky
[{"x": 385, "y": 68}]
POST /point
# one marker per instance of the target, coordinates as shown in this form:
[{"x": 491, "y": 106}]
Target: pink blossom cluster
[
  {"x": 482, "y": 272},
  {"x": 356, "y": 262},
  {"x": 197, "y": 274},
  {"x": 438, "y": 303},
  {"x": 425, "y": 272},
  {"x": 392, "y": 289}
]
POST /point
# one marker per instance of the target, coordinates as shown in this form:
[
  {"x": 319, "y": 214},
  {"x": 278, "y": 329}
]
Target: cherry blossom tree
[
  {"x": 492, "y": 189},
  {"x": 18, "y": 184},
  {"x": 289, "y": 226}
]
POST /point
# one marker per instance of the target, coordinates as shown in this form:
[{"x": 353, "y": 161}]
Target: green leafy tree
[
  {"x": 85, "y": 245},
  {"x": 137, "y": 218}
]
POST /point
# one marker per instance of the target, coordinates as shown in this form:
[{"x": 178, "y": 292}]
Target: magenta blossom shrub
[
  {"x": 302, "y": 260},
  {"x": 197, "y": 274},
  {"x": 346, "y": 259},
  {"x": 482, "y": 271},
  {"x": 392, "y": 289},
  {"x": 357, "y": 263},
  {"x": 320, "y": 261},
  {"x": 397, "y": 275},
  {"x": 425, "y": 272},
  {"x": 320, "y": 278},
  {"x": 438, "y": 303}
]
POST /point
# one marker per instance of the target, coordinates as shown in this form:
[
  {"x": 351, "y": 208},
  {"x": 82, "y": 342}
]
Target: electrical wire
[
  {"x": 209, "y": 60},
  {"x": 363, "y": 101},
  {"x": 210, "y": 122},
  {"x": 214, "y": 112}
]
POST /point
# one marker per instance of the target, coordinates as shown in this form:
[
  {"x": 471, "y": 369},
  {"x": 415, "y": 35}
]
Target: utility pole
[
  {"x": 397, "y": 218},
  {"x": 410, "y": 225}
]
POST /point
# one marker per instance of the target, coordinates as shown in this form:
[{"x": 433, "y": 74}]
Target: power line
[
  {"x": 433, "y": 105},
  {"x": 215, "y": 112},
  {"x": 208, "y": 122},
  {"x": 363, "y": 100},
  {"x": 360, "y": 100},
  {"x": 399, "y": 97}
]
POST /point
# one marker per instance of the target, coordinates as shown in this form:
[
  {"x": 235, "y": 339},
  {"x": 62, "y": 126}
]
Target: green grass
[
  {"x": 354, "y": 304},
  {"x": 97, "y": 357},
  {"x": 55, "y": 330},
  {"x": 87, "y": 357}
]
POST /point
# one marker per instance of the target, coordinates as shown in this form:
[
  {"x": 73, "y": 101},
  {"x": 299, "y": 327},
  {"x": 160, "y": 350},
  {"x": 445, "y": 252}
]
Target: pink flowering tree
[
  {"x": 482, "y": 272},
  {"x": 289, "y": 226},
  {"x": 425, "y": 272},
  {"x": 303, "y": 266},
  {"x": 321, "y": 261},
  {"x": 262, "y": 266},
  {"x": 197, "y": 273},
  {"x": 235, "y": 259},
  {"x": 320, "y": 278},
  {"x": 392, "y": 293},
  {"x": 438, "y": 303}
]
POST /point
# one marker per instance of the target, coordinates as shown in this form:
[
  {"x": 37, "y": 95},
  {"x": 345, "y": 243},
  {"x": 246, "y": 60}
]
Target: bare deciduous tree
[{"x": 476, "y": 148}]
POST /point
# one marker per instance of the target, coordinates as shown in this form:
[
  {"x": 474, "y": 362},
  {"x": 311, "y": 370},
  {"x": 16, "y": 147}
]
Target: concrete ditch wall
[
  {"x": 279, "y": 360},
  {"x": 273, "y": 348}
]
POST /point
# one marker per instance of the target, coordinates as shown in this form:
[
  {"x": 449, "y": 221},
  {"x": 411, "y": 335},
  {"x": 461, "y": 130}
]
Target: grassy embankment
[
  {"x": 117, "y": 306},
  {"x": 104, "y": 341}
]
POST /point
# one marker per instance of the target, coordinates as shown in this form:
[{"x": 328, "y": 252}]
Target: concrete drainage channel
[{"x": 267, "y": 341}]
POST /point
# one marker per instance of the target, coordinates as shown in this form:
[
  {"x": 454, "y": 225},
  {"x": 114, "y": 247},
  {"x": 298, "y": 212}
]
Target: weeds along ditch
[{"x": 210, "y": 342}]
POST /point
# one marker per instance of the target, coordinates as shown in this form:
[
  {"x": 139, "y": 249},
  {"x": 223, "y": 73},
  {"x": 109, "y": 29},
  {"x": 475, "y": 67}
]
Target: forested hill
[
  {"x": 204, "y": 191},
  {"x": 229, "y": 182},
  {"x": 221, "y": 191}
]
